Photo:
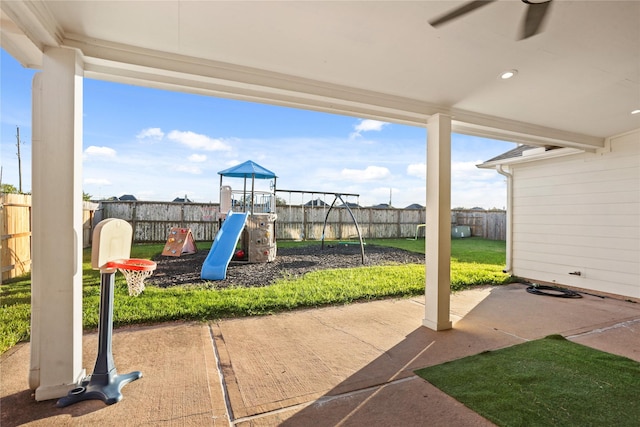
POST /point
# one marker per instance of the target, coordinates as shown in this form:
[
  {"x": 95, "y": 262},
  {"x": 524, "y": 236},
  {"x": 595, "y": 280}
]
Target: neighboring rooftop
[
  {"x": 415, "y": 206},
  {"x": 182, "y": 200},
  {"x": 316, "y": 202}
]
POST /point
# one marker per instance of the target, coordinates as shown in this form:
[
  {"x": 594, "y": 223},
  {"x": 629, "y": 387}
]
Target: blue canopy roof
[{"x": 248, "y": 169}]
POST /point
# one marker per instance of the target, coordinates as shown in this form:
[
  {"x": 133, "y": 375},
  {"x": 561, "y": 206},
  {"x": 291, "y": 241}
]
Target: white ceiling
[{"x": 577, "y": 81}]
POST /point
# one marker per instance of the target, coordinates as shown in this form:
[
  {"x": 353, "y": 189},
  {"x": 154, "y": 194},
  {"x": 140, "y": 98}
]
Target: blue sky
[{"x": 159, "y": 145}]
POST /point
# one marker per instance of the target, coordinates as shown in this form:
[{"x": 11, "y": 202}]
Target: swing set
[{"x": 336, "y": 197}]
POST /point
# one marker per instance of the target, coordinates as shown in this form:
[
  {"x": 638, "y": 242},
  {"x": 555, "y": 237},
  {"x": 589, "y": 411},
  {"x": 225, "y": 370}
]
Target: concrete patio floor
[{"x": 349, "y": 365}]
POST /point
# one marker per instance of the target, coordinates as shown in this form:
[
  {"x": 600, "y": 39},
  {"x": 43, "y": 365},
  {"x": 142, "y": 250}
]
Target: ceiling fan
[{"x": 533, "y": 20}]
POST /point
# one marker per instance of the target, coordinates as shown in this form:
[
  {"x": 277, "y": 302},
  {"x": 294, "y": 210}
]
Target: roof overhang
[
  {"x": 533, "y": 155},
  {"x": 112, "y": 50},
  {"x": 106, "y": 61}
]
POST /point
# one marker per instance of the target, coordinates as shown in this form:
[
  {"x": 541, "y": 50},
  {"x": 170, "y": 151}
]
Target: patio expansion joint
[
  {"x": 624, "y": 324},
  {"x": 324, "y": 400},
  {"x": 523, "y": 339},
  {"x": 420, "y": 302},
  {"x": 223, "y": 383}
]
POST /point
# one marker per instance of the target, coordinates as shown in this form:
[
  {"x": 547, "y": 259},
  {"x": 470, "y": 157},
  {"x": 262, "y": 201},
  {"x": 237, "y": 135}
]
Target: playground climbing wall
[
  {"x": 261, "y": 235},
  {"x": 180, "y": 241}
]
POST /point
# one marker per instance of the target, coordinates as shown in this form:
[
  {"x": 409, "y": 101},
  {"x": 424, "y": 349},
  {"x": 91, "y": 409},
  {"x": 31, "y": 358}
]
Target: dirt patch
[{"x": 290, "y": 262}]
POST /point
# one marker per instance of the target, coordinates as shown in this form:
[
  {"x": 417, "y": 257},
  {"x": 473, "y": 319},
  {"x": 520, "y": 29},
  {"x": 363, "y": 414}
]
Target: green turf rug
[{"x": 547, "y": 382}]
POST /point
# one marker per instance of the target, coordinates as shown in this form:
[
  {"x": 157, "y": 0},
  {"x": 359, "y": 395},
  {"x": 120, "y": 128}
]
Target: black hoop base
[
  {"x": 96, "y": 388},
  {"x": 105, "y": 383}
]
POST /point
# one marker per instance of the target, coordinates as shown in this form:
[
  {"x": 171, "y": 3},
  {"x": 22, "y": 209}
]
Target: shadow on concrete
[
  {"x": 386, "y": 392},
  {"x": 20, "y": 408}
]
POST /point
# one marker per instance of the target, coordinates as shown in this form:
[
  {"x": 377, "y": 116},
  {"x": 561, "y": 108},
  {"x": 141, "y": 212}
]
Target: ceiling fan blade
[
  {"x": 462, "y": 10},
  {"x": 534, "y": 18}
]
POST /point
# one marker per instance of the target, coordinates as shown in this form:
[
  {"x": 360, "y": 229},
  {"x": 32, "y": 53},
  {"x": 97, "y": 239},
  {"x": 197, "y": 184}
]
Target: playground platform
[{"x": 348, "y": 365}]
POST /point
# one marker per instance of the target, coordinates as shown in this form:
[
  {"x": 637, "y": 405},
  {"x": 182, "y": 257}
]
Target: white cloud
[
  {"x": 418, "y": 170},
  {"x": 471, "y": 187},
  {"x": 146, "y": 194},
  {"x": 97, "y": 181},
  {"x": 151, "y": 133},
  {"x": 467, "y": 171},
  {"x": 197, "y": 141},
  {"x": 102, "y": 152},
  {"x": 370, "y": 125},
  {"x": 197, "y": 158},
  {"x": 195, "y": 170},
  {"x": 371, "y": 173},
  {"x": 367, "y": 125}
]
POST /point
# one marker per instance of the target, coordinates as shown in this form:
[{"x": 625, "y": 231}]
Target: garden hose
[{"x": 553, "y": 291}]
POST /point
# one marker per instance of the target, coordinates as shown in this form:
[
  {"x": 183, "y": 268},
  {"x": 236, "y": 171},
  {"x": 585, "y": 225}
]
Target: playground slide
[{"x": 224, "y": 245}]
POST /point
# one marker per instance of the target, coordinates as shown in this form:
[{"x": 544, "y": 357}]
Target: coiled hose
[{"x": 553, "y": 291}]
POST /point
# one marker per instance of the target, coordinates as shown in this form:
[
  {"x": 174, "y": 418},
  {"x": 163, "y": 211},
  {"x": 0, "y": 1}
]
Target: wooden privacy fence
[
  {"x": 15, "y": 233},
  {"x": 491, "y": 224},
  {"x": 152, "y": 221}
]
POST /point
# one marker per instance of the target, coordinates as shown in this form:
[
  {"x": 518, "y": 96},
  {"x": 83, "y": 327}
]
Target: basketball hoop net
[{"x": 135, "y": 271}]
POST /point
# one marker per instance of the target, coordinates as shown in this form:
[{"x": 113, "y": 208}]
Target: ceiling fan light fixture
[{"x": 506, "y": 75}]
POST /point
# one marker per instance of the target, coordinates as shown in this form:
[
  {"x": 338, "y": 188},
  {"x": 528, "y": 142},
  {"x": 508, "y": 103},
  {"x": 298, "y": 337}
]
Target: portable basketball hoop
[
  {"x": 110, "y": 252},
  {"x": 135, "y": 271}
]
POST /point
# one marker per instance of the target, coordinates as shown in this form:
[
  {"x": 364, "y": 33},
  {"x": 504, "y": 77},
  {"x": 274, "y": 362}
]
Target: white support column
[
  {"x": 56, "y": 277},
  {"x": 438, "y": 225}
]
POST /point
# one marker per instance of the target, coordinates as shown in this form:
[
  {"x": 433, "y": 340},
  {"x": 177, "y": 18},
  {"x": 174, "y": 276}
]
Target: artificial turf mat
[{"x": 547, "y": 382}]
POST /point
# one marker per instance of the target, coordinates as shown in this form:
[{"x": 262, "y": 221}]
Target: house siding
[{"x": 580, "y": 213}]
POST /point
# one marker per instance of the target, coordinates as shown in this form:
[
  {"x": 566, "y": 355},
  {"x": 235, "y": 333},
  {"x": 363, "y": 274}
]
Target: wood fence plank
[
  {"x": 296, "y": 222},
  {"x": 15, "y": 232},
  {"x": 153, "y": 220}
]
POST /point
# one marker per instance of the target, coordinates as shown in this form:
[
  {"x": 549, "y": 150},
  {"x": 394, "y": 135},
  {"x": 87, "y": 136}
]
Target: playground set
[
  {"x": 247, "y": 217},
  {"x": 248, "y": 221}
]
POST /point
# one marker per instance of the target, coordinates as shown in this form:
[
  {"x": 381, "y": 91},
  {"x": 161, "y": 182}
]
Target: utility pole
[{"x": 19, "y": 160}]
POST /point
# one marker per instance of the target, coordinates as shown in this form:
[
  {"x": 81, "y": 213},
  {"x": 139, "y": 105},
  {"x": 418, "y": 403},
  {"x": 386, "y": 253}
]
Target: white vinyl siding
[{"x": 580, "y": 213}]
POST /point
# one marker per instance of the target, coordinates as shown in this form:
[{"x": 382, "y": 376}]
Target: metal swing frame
[{"x": 337, "y": 196}]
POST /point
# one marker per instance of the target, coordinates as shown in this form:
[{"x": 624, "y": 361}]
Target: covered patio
[
  {"x": 349, "y": 366},
  {"x": 576, "y": 83}
]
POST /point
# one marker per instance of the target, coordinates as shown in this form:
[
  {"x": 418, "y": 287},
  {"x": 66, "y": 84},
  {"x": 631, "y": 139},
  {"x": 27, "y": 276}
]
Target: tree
[
  {"x": 86, "y": 196},
  {"x": 9, "y": 189}
]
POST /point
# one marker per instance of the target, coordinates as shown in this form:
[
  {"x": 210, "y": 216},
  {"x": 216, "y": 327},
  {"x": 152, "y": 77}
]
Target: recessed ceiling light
[
  {"x": 636, "y": 111},
  {"x": 508, "y": 74}
]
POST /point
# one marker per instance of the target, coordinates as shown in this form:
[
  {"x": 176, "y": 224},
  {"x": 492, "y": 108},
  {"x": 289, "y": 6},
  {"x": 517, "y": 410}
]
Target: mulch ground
[{"x": 289, "y": 262}]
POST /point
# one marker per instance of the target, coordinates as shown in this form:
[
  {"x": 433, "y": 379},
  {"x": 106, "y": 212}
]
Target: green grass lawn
[
  {"x": 546, "y": 382},
  {"x": 474, "y": 262}
]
